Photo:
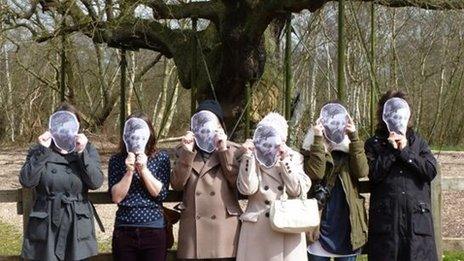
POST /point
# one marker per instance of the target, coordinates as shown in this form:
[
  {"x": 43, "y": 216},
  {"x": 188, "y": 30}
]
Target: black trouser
[{"x": 137, "y": 243}]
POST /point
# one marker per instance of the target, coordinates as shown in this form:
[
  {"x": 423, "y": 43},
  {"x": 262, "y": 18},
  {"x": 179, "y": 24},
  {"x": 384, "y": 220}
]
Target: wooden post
[
  {"x": 247, "y": 109},
  {"x": 122, "y": 107},
  {"x": 288, "y": 72},
  {"x": 373, "y": 82},
  {"x": 341, "y": 95},
  {"x": 27, "y": 199},
  {"x": 436, "y": 211},
  {"x": 193, "y": 74},
  {"x": 63, "y": 69}
]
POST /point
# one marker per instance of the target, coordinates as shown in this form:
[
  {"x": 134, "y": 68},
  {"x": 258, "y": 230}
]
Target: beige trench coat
[
  {"x": 209, "y": 224},
  {"x": 258, "y": 242}
]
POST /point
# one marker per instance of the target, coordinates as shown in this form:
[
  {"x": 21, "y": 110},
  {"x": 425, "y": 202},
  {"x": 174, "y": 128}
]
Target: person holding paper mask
[
  {"x": 206, "y": 171},
  {"x": 268, "y": 169},
  {"x": 335, "y": 161},
  {"x": 401, "y": 167},
  {"x": 61, "y": 169},
  {"x": 138, "y": 181}
]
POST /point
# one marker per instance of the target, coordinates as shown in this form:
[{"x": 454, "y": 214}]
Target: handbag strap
[{"x": 284, "y": 195}]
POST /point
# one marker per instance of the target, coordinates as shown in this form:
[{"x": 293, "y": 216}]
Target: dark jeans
[
  {"x": 321, "y": 258},
  {"x": 138, "y": 243}
]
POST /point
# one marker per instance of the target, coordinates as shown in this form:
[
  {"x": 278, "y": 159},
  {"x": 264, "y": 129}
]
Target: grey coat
[{"x": 61, "y": 225}]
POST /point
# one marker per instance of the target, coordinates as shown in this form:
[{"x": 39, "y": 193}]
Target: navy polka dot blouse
[{"x": 139, "y": 208}]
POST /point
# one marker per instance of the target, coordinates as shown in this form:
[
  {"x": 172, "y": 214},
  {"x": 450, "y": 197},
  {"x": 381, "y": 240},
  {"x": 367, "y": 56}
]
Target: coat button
[
  {"x": 267, "y": 214},
  {"x": 198, "y": 193},
  {"x": 213, "y": 217},
  {"x": 53, "y": 170},
  {"x": 198, "y": 216},
  {"x": 266, "y": 187},
  {"x": 410, "y": 161},
  {"x": 212, "y": 193},
  {"x": 401, "y": 172},
  {"x": 267, "y": 202},
  {"x": 402, "y": 192},
  {"x": 68, "y": 170},
  {"x": 246, "y": 169},
  {"x": 280, "y": 188}
]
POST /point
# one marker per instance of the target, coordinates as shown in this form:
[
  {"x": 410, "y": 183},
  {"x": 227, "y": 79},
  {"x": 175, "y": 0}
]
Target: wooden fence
[{"x": 24, "y": 197}]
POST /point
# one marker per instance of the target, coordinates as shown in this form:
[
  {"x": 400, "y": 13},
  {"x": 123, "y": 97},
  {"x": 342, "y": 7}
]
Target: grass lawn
[
  {"x": 10, "y": 245},
  {"x": 10, "y": 240}
]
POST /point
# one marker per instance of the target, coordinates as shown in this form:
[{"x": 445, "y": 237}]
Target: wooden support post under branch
[
  {"x": 193, "y": 74},
  {"x": 122, "y": 108}
]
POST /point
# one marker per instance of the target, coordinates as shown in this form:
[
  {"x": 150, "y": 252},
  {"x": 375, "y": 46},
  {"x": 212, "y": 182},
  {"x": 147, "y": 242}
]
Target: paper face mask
[
  {"x": 136, "y": 135},
  {"x": 334, "y": 118},
  {"x": 267, "y": 142},
  {"x": 396, "y": 114},
  {"x": 63, "y": 126},
  {"x": 204, "y": 124}
]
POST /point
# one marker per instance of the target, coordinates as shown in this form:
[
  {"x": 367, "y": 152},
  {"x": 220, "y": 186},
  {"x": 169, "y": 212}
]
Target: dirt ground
[{"x": 11, "y": 160}]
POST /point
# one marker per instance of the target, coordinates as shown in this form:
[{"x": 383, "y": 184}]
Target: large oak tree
[{"x": 231, "y": 49}]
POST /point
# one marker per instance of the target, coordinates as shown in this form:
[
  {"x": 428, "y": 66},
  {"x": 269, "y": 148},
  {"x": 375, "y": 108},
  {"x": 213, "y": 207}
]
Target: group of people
[{"x": 213, "y": 171}]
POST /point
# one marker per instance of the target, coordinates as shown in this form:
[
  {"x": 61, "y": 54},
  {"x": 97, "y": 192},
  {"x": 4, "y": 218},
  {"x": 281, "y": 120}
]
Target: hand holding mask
[
  {"x": 248, "y": 146},
  {"x": 45, "y": 139},
  {"x": 81, "y": 142},
  {"x": 221, "y": 140},
  {"x": 130, "y": 162},
  {"x": 188, "y": 140}
]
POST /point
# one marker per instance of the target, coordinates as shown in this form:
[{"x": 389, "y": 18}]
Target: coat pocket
[
  {"x": 422, "y": 220},
  {"x": 84, "y": 224},
  {"x": 381, "y": 221},
  {"x": 37, "y": 229}
]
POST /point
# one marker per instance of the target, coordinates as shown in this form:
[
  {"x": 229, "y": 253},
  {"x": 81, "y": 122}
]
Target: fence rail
[{"x": 23, "y": 199}]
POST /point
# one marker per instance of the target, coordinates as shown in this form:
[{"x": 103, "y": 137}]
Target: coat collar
[
  {"x": 56, "y": 157},
  {"x": 202, "y": 167}
]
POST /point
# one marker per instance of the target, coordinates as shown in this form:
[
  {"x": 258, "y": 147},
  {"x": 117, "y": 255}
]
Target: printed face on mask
[
  {"x": 136, "y": 135},
  {"x": 334, "y": 118},
  {"x": 63, "y": 126},
  {"x": 396, "y": 114},
  {"x": 267, "y": 143},
  {"x": 204, "y": 125}
]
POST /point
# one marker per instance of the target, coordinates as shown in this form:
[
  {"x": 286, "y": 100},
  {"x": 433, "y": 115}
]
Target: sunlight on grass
[{"x": 10, "y": 241}]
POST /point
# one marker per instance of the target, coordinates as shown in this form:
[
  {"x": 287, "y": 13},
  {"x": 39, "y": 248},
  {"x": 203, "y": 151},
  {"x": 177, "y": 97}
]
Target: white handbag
[{"x": 294, "y": 215}]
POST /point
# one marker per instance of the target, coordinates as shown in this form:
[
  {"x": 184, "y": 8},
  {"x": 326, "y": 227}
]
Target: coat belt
[{"x": 59, "y": 201}]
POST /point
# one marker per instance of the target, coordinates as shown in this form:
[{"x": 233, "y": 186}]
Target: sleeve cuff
[
  {"x": 318, "y": 143},
  {"x": 186, "y": 156},
  {"x": 286, "y": 165},
  {"x": 406, "y": 155},
  {"x": 354, "y": 136},
  {"x": 43, "y": 153}
]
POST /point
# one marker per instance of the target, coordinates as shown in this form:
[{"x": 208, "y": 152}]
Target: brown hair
[
  {"x": 381, "y": 126},
  {"x": 65, "y": 106},
  {"x": 150, "y": 149}
]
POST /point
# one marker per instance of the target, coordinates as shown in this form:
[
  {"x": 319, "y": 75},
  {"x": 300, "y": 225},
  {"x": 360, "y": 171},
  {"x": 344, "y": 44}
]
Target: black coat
[
  {"x": 61, "y": 225},
  {"x": 400, "y": 218}
]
